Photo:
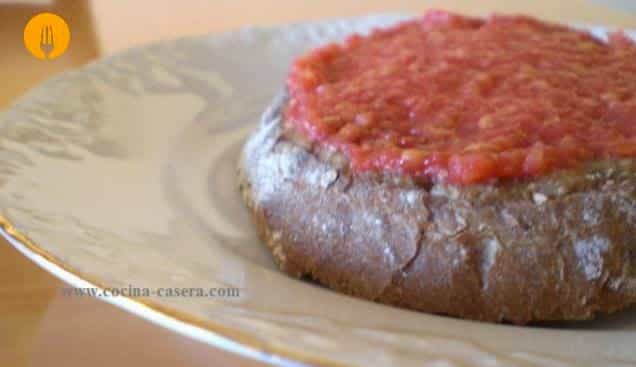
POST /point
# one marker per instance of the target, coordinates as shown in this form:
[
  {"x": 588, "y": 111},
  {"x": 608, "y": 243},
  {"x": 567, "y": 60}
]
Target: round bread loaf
[
  {"x": 559, "y": 247},
  {"x": 479, "y": 168}
]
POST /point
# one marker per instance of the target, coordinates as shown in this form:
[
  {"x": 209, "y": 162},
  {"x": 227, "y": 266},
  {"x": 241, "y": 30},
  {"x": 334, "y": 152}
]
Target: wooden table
[{"x": 39, "y": 327}]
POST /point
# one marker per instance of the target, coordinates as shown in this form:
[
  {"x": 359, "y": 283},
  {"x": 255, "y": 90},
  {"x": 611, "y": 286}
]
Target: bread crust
[{"x": 560, "y": 247}]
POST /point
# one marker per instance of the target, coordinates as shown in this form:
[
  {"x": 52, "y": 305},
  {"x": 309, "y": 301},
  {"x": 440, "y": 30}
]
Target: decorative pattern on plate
[{"x": 123, "y": 172}]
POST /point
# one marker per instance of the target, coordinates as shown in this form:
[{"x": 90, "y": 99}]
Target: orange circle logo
[{"x": 46, "y": 36}]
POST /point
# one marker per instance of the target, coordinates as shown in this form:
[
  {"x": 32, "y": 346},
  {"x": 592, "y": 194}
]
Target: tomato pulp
[{"x": 467, "y": 100}]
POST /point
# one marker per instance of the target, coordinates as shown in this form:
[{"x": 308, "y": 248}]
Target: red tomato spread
[{"x": 464, "y": 100}]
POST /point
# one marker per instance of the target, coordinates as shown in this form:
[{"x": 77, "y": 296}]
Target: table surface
[{"x": 40, "y": 327}]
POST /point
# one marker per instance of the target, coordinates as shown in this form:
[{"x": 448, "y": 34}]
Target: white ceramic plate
[{"x": 123, "y": 174}]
